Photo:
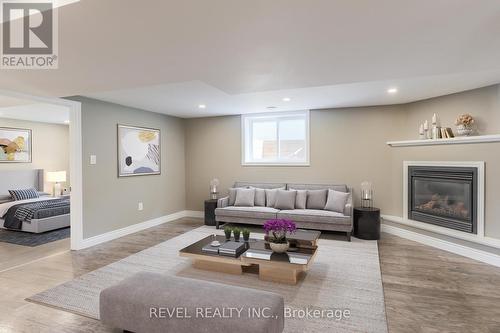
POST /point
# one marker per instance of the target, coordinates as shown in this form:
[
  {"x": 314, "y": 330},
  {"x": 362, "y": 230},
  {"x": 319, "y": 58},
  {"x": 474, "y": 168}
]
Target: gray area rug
[
  {"x": 344, "y": 276},
  {"x": 30, "y": 239}
]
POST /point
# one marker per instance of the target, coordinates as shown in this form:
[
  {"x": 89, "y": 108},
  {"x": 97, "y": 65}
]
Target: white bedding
[{"x": 4, "y": 207}]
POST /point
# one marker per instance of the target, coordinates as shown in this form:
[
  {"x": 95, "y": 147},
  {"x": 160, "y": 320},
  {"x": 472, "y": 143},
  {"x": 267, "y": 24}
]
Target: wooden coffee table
[{"x": 277, "y": 269}]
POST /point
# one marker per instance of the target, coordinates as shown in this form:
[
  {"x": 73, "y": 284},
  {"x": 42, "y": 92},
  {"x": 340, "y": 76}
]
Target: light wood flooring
[{"x": 426, "y": 290}]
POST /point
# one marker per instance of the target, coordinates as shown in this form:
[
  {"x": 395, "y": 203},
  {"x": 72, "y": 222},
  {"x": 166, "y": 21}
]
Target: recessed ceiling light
[
  {"x": 271, "y": 107},
  {"x": 202, "y": 106},
  {"x": 286, "y": 99},
  {"x": 392, "y": 90},
  {"x": 66, "y": 121}
]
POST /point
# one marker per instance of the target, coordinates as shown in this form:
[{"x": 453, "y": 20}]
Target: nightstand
[
  {"x": 210, "y": 206},
  {"x": 367, "y": 223}
]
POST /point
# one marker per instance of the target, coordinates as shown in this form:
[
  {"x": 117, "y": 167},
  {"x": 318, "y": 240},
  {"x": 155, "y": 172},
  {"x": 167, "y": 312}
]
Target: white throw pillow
[
  {"x": 300, "y": 199},
  {"x": 245, "y": 197},
  {"x": 336, "y": 201}
]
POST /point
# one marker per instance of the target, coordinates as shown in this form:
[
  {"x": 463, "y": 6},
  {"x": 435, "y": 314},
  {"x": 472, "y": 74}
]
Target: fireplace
[{"x": 444, "y": 196}]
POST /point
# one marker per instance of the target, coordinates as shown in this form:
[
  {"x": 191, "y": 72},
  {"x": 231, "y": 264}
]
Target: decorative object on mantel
[
  {"x": 366, "y": 194},
  {"x": 421, "y": 132},
  {"x": 214, "y": 183},
  {"x": 436, "y": 130},
  {"x": 465, "y": 124},
  {"x": 277, "y": 230}
]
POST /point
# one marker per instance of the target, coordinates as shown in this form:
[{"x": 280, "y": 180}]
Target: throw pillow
[
  {"x": 271, "y": 196},
  {"x": 316, "y": 199},
  {"x": 336, "y": 201},
  {"x": 285, "y": 200},
  {"x": 300, "y": 199},
  {"x": 232, "y": 196},
  {"x": 25, "y": 194},
  {"x": 245, "y": 197},
  {"x": 260, "y": 197}
]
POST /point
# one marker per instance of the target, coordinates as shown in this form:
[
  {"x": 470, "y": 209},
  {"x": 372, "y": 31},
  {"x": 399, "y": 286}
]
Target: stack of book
[
  {"x": 446, "y": 133},
  {"x": 297, "y": 258},
  {"x": 210, "y": 249},
  {"x": 259, "y": 254},
  {"x": 232, "y": 249}
]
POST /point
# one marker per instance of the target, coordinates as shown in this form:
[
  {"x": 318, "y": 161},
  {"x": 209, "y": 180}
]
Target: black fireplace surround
[{"x": 443, "y": 196}]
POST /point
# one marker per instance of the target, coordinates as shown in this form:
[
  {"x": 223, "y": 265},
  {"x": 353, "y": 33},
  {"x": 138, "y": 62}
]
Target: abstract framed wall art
[
  {"x": 15, "y": 145},
  {"x": 139, "y": 151}
]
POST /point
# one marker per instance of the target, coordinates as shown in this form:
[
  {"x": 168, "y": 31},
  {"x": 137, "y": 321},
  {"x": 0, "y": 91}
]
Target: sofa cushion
[
  {"x": 285, "y": 199},
  {"x": 316, "y": 199},
  {"x": 260, "y": 197},
  {"x": 314, "y": 215},
  {"x": 336, "y": 201},
  {"x": 300, "y": 199},
  {"x": 245, "y": 197},
  {"x": 249, "y": 212}
]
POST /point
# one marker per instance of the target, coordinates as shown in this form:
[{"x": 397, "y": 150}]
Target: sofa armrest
[
  {"x": 223, "y": 202},
  {"x": 348, "y": 208}
]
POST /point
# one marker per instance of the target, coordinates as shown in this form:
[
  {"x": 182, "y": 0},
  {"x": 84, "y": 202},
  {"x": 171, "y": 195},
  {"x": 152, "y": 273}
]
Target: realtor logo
[{"x": 29, "y": 39}]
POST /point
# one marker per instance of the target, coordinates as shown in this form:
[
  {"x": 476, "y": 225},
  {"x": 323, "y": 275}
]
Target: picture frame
[
  {"x": 139, "y": 151},
  {"x": 16, "y": 145}
]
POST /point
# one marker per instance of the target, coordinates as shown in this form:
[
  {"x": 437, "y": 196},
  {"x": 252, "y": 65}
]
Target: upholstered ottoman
[{"x": 148, "y": 302}]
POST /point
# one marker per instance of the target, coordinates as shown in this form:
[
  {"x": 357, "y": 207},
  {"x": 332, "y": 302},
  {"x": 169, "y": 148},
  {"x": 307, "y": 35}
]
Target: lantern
[{"x": 366, "y": 194}]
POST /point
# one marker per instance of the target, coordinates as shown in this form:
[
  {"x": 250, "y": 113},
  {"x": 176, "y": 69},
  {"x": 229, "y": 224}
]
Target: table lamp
[{"x": 56, "y": 177}]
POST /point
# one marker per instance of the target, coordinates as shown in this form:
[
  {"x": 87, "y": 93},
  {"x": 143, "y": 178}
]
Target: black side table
[
  {"x": 367, "y": 223},
  {"x": 210, "y": 206}
]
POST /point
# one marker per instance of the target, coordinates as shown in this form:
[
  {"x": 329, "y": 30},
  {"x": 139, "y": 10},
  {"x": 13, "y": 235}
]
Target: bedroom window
[{"x": 276, "y": 138}]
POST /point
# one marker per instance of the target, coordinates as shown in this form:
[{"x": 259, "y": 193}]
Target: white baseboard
[
  {"x": 462, "y": 250},
  {"x": 111, "y": 235},
  {"x": 195, "y": 214}
]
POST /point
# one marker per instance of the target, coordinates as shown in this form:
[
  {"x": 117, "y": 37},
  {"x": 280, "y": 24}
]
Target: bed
[{"x": 48, "y": 213}]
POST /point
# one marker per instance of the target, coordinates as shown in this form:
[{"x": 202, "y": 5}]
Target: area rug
[
  {"x": 30, "y": 239},
  {"x": 344, "y": 276}
]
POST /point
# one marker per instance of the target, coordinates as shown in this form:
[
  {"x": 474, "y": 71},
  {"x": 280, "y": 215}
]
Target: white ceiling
[
  {"x": 39, "y": 112},
  {"x": 241, "y": 56}
]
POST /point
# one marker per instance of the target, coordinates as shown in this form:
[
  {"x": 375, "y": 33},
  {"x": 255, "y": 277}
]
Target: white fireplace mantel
[
  {"x": 480, "y": 197},
  {"x": 450, "y": 141}
]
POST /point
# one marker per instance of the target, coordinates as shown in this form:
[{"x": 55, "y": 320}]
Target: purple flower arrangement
[{"x": 277, "y": 230}]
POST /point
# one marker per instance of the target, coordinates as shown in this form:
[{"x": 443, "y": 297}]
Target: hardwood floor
[
  {"x": 429, "y": 290},
  {"x": 426, "y": 290}
]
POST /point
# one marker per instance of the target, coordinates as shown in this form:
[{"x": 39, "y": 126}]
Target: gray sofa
[
  {"x": 155, "y": 303},
  {"x": 317, "y": 219}
]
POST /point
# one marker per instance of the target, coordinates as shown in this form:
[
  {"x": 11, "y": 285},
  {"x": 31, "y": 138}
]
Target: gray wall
[
  {"x": 109, "y": 202},
  {"x": 50, "y": 148},
  {"x": 349, "y": 145}
]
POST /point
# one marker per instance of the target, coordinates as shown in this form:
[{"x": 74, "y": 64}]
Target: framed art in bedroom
[
  {"x": 139, "y": 151},
  {"x": 15, "y": 145}
]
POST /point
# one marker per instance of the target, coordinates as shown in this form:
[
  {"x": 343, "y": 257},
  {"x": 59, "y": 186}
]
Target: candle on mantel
[
  {"x": 421, "y": 129},
  {"x": 434, "y": 119},
  {"x": 426, "y": 125}
]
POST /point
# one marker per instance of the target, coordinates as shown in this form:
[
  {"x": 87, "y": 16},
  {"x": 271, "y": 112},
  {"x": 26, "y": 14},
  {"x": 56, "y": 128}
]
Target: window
[{"x": 276, "y": 138}]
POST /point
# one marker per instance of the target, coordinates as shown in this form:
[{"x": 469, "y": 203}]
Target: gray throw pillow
[
  {"x": 316, "y": 199},
  {"x": 336, "y": 201},
  {"x": 300, "y": 199},
  {"x": 245, "y": 197},
  {"x": 285, "y": 200},
  {"x": 260, "y": 197},
  {"x": 271, "y": 196},
  {"x": 232, "y": 196}
]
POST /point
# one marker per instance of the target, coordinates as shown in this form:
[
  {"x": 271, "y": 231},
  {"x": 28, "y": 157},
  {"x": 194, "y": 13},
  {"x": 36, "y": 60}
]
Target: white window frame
[{"x": 246, "y": 138}]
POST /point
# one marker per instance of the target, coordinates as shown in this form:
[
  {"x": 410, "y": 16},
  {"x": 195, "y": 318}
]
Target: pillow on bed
[{"x": 25, "y": 194}]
